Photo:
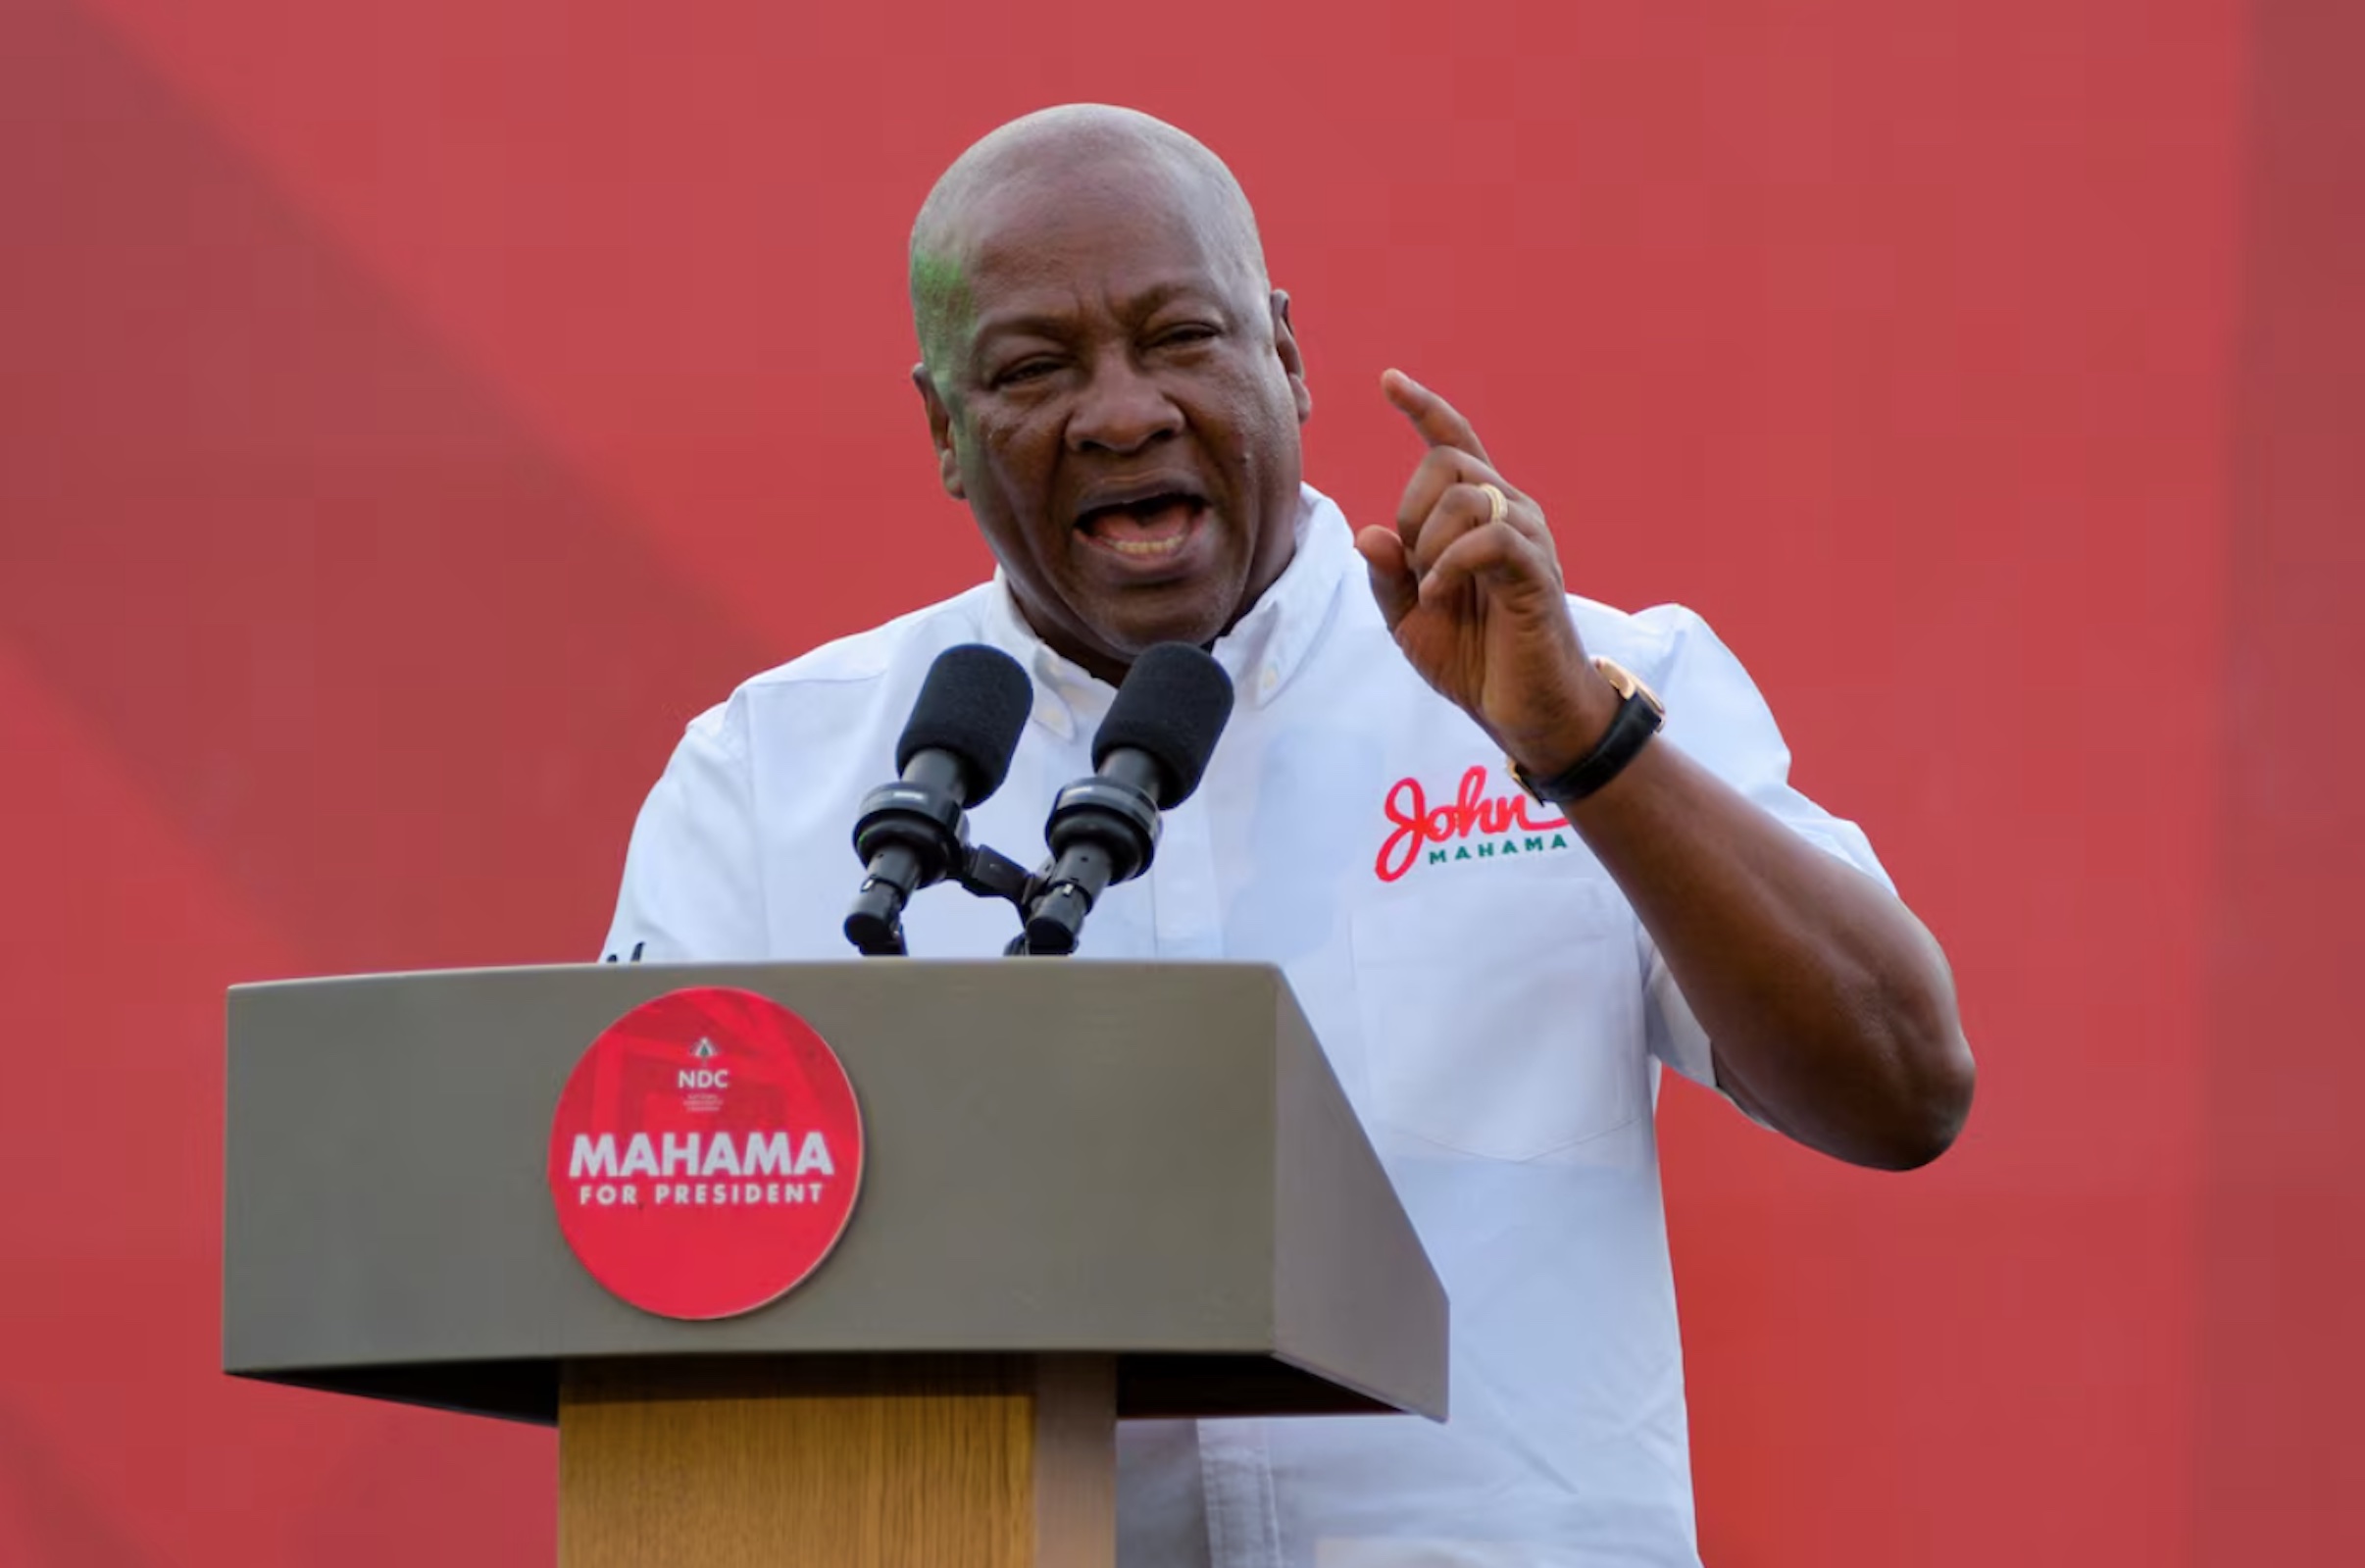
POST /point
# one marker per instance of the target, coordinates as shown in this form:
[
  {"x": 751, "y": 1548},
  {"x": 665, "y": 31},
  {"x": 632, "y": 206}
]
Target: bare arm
[{"x": 1830, "y": 1006}]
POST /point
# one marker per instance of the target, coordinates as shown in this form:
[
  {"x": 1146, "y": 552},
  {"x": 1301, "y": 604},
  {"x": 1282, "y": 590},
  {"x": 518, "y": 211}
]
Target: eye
[
  {"x": 1183, "y": 337},
  {"x": 1025, "y": 369}
]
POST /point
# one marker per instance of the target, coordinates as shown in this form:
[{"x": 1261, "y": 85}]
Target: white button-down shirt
[{"x": 1485, "y": 992}]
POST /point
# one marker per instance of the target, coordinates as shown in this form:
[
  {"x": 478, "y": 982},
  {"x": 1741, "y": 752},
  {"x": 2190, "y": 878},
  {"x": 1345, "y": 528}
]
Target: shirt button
[{"x": 1268, "y": 679}]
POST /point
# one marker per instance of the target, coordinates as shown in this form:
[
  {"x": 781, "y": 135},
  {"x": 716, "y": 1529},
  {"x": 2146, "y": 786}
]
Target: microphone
[
  {"x": 953, "y": 753},
  {"x": 1147, "y": 757}
]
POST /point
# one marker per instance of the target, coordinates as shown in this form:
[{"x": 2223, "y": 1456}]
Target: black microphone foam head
[
  {"x": 1173, "y": 705},
  {"x": 972, "y": 704}
]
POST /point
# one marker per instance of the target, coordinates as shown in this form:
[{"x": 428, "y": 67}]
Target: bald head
[
  {"x": 1068, "y": 153},
  {"x": 1112, "y": 385}
]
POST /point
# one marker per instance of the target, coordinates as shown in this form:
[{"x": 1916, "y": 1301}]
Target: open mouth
[{"x": 1154, "y": 528}]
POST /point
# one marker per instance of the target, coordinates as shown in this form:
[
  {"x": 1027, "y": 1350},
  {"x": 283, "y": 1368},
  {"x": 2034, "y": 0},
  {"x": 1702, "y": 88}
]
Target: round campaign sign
[{"x": 706, "y": 1154}]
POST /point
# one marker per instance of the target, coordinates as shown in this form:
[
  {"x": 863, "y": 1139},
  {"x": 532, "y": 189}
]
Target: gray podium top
[{"x": 1149, "y": 1160}]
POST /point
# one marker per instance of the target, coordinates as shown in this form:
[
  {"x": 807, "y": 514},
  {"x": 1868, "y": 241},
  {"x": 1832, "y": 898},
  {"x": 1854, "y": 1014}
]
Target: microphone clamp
[
  {"x": 911, "y": 835},
  {"x": 925, "y": 819},
  {"x": 1103, "y": 830}
]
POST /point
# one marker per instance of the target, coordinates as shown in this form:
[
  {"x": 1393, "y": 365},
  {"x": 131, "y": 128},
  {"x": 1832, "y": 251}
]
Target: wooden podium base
[{"x": 838, "y": 1463}]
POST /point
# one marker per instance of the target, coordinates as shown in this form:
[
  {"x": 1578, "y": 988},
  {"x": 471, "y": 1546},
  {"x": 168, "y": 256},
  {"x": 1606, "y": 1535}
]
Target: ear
[
  {"x": 1293, "y": 363},
  {"x": 940, "y": 433}
]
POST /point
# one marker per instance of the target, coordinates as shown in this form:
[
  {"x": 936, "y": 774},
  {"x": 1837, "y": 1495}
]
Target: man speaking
[{"x": 1514, "y": 849}]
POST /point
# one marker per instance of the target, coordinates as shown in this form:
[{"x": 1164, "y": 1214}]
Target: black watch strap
[{"x": 1638, "y": 718}]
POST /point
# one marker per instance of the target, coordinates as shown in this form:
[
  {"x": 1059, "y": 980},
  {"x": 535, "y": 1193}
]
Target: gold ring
[{"x": 1501, "y": 508}]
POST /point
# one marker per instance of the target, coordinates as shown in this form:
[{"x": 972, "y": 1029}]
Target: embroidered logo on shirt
[{"x": 1473, "y": 825}]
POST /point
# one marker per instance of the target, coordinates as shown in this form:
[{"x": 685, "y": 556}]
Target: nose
[{"x": 1120, "y": 410}]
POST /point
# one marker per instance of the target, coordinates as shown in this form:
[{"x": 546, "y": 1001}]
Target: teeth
[{"x": 1146, "y": 546}]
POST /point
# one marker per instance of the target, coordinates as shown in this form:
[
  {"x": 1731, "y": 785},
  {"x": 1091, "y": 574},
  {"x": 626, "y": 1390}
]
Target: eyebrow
[{"x": 1045, "y": 324}]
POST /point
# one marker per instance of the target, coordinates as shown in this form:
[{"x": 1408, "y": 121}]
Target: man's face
[{"x": 1119, "y": 405}]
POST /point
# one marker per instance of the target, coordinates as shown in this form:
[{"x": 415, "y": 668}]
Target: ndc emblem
[{"x": 704, "y": 1085}]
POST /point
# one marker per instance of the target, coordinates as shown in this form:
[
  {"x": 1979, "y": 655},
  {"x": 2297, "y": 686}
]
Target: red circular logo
[{"x": 706, "y": 1154}]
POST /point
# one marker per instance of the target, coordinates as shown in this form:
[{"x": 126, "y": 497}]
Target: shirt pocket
[{"x": 1502, "y": 1018}]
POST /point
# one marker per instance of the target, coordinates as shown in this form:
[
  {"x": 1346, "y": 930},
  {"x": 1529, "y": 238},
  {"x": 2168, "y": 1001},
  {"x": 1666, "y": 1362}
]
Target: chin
[
  {"x": 1135, "y": 639},
  {"x": 1130, "y": 630}
]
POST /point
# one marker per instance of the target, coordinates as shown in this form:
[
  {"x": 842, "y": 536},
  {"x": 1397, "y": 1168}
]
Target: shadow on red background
[{"x": 2281, "y": 1370}]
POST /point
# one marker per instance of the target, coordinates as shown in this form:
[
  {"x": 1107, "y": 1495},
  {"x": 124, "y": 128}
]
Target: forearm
[{"x": 1830, "y": 1006}]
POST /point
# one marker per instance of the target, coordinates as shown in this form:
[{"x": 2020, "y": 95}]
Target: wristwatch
[{"x": 1640, "y": 714}]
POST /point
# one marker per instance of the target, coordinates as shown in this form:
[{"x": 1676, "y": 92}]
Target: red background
[{"x": 409, "y": 416}]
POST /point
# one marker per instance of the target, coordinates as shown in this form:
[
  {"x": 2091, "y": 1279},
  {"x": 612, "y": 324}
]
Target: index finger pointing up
[{"x": 1437, "y": 421}]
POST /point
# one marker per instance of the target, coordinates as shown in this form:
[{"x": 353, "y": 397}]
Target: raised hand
[{"x": 1470, "y": 585}]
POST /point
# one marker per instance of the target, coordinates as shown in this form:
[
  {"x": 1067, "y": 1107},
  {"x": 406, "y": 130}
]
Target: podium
[{"x": 1090, "y": 1191}]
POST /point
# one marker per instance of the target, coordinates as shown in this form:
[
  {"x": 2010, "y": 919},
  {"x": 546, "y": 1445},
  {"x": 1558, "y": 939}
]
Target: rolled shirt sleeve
[{"x": 1716, "y": 714}]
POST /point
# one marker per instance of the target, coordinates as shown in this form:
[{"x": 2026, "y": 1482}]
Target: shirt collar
[{"x": 1261, "y": 653}]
